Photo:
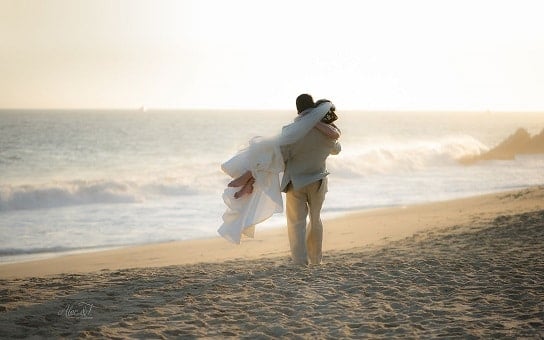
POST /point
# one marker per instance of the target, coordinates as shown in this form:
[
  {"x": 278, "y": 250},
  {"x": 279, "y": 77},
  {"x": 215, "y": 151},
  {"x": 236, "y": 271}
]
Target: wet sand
[{"x": 477, "y": 275}]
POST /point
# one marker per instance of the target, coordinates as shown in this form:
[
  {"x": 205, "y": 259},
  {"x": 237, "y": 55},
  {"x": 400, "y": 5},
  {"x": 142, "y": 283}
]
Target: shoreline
[
  {"x": 264, "y": 227},
  {"x": 369, "y": 228}
]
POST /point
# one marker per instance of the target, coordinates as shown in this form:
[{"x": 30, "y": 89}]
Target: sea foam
[
  {"x": 385, "y": 157},
  {"x": 81, "y": 192}
]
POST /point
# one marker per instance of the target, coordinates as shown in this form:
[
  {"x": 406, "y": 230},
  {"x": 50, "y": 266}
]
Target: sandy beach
[{"x": 468, "y": 268}]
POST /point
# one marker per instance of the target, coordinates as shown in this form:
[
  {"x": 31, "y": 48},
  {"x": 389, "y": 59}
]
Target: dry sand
[{"x": 462, "y": 269}]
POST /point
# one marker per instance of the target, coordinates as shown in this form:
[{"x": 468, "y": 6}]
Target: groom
[{"x": 305, "y": 184}]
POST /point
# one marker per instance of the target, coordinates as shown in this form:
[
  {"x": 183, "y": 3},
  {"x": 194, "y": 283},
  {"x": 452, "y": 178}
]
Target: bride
[{"x": 254, "y": 194}]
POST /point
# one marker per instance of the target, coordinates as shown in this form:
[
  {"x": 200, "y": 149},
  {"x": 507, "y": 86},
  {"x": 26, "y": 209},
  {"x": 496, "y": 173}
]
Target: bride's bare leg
[
  {"x": 240, "y": 181},
  {"x": 246, "y": 189}
]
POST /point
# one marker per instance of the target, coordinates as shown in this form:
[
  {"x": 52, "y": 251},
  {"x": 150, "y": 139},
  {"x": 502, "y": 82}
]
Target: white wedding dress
[{"x": 263, "y": 158}]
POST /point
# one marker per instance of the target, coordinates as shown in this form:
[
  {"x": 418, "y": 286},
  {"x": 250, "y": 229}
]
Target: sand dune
[
  {"x": 477, "y": 276},
  {"x": 519, "y": 143}
]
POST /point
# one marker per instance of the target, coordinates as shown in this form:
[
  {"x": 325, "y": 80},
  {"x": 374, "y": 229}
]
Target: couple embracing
[{"x": 299, "y": 152}]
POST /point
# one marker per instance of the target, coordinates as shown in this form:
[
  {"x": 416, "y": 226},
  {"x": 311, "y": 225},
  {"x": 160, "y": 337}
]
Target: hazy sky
[{"x": 370, "y": 55}]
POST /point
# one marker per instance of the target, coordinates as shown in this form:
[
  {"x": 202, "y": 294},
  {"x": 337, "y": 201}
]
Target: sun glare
[{"x": 458, "y": 55}]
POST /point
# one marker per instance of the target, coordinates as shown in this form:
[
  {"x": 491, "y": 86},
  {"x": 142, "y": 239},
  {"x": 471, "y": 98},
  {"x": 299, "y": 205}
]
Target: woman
[{"x": 254, "y": 194}]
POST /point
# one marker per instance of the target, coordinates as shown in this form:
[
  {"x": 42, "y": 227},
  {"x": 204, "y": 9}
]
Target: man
[{"x": 305, "y": 184}]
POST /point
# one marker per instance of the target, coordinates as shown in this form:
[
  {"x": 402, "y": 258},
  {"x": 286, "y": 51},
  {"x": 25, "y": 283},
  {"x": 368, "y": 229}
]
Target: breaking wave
[
  {"x": 379, "y": 157},
  {"x": 399, "y": 157},
  {"x": 81, "y": 192}
]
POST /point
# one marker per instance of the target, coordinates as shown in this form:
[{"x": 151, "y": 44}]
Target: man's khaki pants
[{"x": 306, "y": 242}]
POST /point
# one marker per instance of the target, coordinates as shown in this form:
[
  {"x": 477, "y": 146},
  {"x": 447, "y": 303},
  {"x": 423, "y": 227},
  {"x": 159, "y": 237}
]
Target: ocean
[{"x": 84, "y": 180}]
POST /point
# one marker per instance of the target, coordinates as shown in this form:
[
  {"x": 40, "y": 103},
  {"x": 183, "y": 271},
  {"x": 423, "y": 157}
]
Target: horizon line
[{"x": 148, "y": 109}]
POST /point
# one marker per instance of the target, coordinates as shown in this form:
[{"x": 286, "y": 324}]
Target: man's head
[{"x": 304, "y": 102}]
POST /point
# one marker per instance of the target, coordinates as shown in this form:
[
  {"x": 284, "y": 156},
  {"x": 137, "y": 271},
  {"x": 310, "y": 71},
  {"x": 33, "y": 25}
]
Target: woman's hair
[
  {"x": 331, "y": 115},
  {"x": 304, "y": 102}
]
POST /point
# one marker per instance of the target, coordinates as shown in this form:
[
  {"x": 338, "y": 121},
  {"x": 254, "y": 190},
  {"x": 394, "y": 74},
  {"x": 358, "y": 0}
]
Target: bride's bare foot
[
  {"x": 246, "y": 189},
  {"x": 238, "y": 182}
]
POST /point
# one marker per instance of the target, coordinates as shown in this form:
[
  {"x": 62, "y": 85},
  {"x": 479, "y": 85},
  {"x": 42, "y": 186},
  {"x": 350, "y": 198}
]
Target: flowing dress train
[{"x": 263, "y": 158}]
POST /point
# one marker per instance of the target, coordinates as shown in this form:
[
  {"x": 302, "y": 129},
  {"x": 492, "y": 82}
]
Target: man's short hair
[{"x": 304, "y": 102}]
